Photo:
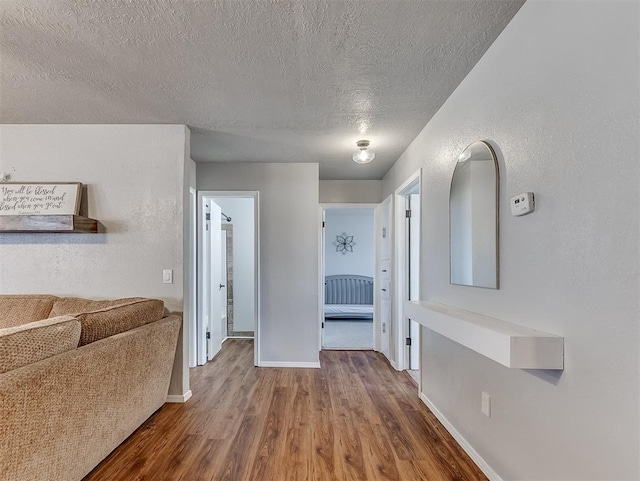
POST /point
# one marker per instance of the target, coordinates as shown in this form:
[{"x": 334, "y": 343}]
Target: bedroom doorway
[{"x": 348, "y": 266}]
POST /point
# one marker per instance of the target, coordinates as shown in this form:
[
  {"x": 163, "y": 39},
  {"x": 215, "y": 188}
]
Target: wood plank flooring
[{"x": 354, "y": 419}]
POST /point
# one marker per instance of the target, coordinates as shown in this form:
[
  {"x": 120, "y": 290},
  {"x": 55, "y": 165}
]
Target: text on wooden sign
[{"x": 46, "y": 198}]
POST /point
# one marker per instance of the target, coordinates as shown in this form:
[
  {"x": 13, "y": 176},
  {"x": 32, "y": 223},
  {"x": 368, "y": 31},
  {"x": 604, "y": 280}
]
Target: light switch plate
[
  {"x": 167, "y": 276},
  {"x": 486, "y": 404},
  {"x": 522, "y": 204}
]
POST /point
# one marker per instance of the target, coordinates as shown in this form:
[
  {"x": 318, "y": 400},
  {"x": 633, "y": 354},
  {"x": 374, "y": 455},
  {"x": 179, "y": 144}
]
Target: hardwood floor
[{"x": 353, "y": 419}]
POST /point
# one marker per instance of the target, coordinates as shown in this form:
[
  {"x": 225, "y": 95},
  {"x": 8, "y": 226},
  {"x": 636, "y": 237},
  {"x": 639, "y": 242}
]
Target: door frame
[
  {"x": 376, "y": 319},
  {"x": 191, "y": 311},
  {"x": 255, "y": 195},
  {"x": 400, "y": 274},
  {"x": 387, "y": 204}
]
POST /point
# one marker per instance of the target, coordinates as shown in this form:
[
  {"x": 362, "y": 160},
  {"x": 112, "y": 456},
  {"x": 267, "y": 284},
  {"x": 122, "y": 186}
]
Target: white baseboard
[
  {"x": 307, "y": 365},
  {"x": 464, "y": 444},
  {"x": 179, "y": 398},
  {"x": 393, "y": 364}
]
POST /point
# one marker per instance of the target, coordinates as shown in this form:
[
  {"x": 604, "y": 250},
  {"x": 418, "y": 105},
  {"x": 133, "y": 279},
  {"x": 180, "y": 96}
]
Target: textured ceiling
[{"x": 258, "y": 81}]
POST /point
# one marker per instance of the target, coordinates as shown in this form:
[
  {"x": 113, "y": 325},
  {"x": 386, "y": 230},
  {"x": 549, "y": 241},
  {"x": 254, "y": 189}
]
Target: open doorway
[
  {"x": 408, "y": 273},
  {"x": 349, "y": 269},
  {"x": 227, "y": 265}
]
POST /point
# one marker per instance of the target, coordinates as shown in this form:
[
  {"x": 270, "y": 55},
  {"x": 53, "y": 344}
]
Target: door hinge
[
  {"x": 407, "y": 213},
  {"x": 208, "y": 335},
  {"x": 323, "y": 325},
  {"x": 408, "y": 341},
  {"x": 323, "y": 224},
  {"x": 208, "y": 216}
]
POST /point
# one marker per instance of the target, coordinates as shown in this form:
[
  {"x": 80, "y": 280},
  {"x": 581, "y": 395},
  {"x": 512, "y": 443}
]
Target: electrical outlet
[{"x": 486, "y": 404}]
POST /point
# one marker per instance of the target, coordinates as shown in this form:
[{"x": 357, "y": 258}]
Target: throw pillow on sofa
[
  {"x": 35, "y": 341},
  {"x": 74, "y": 305},
  {"x": 21, "y": 309},
  {"x": 119, "y": 316}
]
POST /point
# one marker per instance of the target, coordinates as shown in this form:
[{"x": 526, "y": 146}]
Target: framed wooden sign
[{"x": 40, "y": 198}]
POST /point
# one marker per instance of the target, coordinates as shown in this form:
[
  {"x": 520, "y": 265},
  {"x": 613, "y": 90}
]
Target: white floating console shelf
[{"x": 509, "y": 344}]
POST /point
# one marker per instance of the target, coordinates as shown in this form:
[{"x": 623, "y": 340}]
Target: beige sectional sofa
[{"x": 77, "y": 377}]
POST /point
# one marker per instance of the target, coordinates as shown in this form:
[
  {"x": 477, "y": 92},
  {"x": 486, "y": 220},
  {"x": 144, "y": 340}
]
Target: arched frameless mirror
[{"x": 473, "y": 218}]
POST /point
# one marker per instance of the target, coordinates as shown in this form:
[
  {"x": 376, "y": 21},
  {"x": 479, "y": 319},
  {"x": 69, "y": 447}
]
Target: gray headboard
[{"x": 348, "y": 289}]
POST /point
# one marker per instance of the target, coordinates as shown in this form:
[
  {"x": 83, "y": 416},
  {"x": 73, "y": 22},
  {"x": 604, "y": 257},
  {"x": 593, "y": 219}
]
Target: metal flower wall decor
[{"x": 344, "y": 243}]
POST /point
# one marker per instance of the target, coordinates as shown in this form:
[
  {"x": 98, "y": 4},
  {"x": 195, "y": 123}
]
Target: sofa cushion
[
  {"x": 22, "y": 309},
  {"x": 118, "y": 318},
  {"x": 74, "y": 305},
  {"x": 35, "y": 341}
]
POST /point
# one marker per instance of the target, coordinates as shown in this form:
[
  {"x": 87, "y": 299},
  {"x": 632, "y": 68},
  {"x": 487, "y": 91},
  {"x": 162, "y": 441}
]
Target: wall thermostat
[{"x": 523, "y": 204}]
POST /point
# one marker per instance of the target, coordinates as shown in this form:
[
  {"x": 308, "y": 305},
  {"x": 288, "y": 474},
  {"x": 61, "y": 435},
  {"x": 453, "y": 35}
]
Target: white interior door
[
  {"x": 204, "y": 279},
  {"x": 215, "y": 285}
]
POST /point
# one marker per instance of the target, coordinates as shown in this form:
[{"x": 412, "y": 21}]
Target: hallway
[{"x": 353, "y": 419}]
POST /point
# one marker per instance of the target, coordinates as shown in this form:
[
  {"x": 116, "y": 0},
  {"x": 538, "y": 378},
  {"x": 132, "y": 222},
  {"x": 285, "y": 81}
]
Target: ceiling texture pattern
[{"x": 257, "y": 81}]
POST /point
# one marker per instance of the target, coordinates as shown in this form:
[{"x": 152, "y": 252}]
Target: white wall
[
  {"x": 242, "y": 218},
  {"x": 557, "y": 93},
  {"x": 289, "y": 231},
  {"x": 135, "y": 177},
  {"x": 358, "y": 223},
  {"x": 351, "y": 191}
]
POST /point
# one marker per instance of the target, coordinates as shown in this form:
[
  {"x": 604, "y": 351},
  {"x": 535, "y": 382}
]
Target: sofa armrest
[{"x": 65, "y": 414}]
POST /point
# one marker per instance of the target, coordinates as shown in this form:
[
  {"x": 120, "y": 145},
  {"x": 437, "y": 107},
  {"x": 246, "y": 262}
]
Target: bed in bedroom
[{"x": 348, "y": 297}]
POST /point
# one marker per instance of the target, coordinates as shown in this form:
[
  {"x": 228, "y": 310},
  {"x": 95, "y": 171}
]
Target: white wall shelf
[{"x": 507, "y": 343}]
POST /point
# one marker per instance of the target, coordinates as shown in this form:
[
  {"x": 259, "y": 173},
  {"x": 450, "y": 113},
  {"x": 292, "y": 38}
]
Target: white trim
[
  {"x": 391, "y": 209},
  {"x": 306, "y": 365},
  {"x": 321, "y": 218},
  {"x": 347, "y": 205},
  {"x": 399, "y": 268},
  {"x": 384, "y": 208},
  {"x": 201, "y": 357},
  {"x": 191, "y": 277},
  {"x": 179, "y": 398},
  {"x": 377, "y": 284},
  {"x": 256, "y": 253},
  {"x": 393, "y": 364},
  {"x": 410, "y": 180},
  {"x": 348, "y": 349},
  {"x": 464, "y": 444}
]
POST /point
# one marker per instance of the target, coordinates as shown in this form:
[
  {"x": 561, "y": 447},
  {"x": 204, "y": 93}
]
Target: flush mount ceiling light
[{"x": 363, "y": 155}]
